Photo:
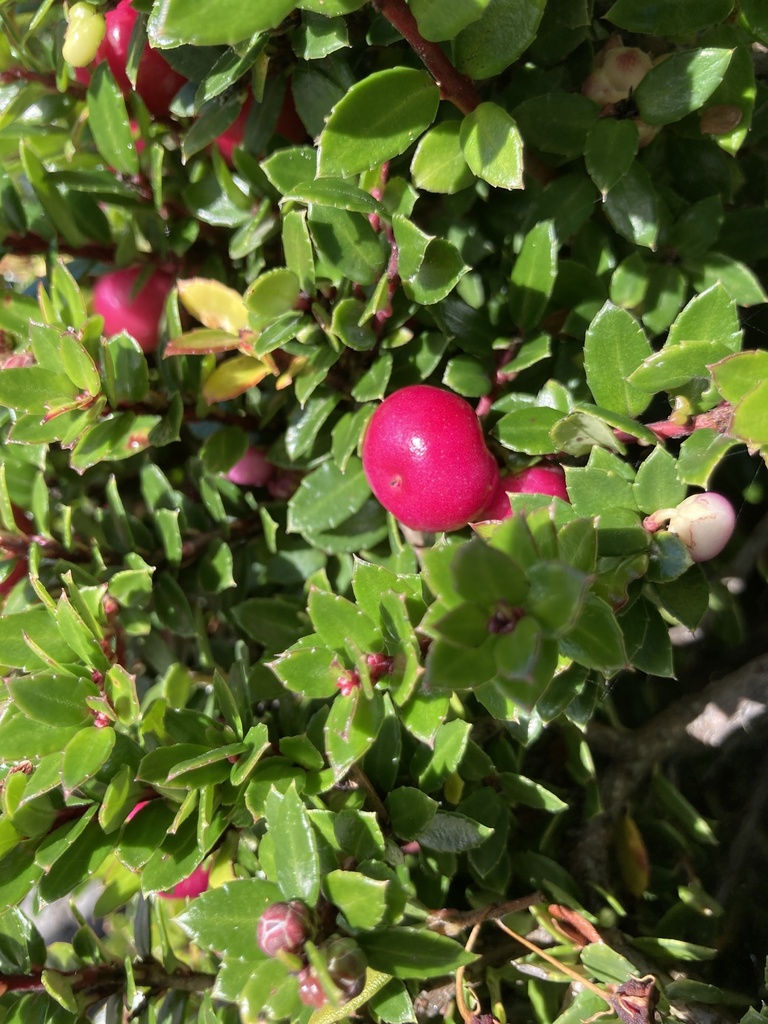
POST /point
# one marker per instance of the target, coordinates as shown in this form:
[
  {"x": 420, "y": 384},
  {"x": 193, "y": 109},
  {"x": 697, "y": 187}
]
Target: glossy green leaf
[
  {"x": 396, "y": 105},
  {"x": 533, "y": 276},
  {"x": 614, "y": 346},
  {"x": 213, "y": 22},
  {"x": 681, "y": 18},
  {"x": 610, "y": 149},
  {"x": 298, "y": 865},
  {"x": 443, "y": 19},
  {"x": 680, "y": 84},
  {"x": 632, "y": 207},
  {"x": 674, "y": 366},
  {"x": 439, "y": 164},
  {"x": 492, "y": 146},
  {"x": 362, "y": 900},
  {"x": 489, "y": 45},
  {"x": 351, "y": 728},
  {"x": 413, "y": 952}
]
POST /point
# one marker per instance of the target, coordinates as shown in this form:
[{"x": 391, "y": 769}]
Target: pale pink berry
[
  {"x": 704, "y": 523},
  {"x": 310, "y": 990}
]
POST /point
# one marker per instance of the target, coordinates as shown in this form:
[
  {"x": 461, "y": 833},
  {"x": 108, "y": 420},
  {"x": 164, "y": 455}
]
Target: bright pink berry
[
  {"x": 541, "y": 479},
  {"x": 425, "y": 458},
  {"x": 190, "y": 887},
  {"x": 157, "y": 83},
  {"x": 310, "y": 990},
  {"x": 284, "y": 928},
  {"x": 253, "y": 470},
  {"x": 136, "y": 312}
]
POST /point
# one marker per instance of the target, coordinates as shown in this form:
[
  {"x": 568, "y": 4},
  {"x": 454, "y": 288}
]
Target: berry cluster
[
  {"x": 425, "y": 458},
  {"x": 283, "y": 931}
]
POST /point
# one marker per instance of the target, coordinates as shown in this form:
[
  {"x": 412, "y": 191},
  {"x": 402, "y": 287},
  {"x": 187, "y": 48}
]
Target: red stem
[
  {"x": 455, "y": 87},
  {"x": 718, "y": 419}
]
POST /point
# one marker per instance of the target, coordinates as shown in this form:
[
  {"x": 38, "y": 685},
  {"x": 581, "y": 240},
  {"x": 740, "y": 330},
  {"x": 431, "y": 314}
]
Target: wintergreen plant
[{"x": 230, "y": 678}]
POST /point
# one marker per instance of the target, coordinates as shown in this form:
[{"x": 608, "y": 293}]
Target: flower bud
[
  {"x": 284, "y": 928},
  {"x": 346, "y": 966},
  {"x": 310, "y": 990},
  {"x": 85, "y": 32}
]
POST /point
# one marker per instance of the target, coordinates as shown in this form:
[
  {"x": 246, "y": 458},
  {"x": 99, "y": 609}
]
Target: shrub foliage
[{"x": 435, "y": 744}]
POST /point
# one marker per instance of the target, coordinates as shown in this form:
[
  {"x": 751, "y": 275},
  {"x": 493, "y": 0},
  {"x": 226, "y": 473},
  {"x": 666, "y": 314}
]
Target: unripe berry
[
  {"x": 704, "y": 523},
  {"x": 534, "y": 480},
  {"x": 425, "y": 458},
  {"x": 346, "y": 966},
  {"x": 284, "y": 928},
  {"x": 84, "y": 34},
  {"x": 136, "y": 312}
]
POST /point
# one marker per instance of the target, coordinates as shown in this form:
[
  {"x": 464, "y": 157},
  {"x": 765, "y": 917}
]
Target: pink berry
[
  {"x": 253, "y": 470},
  {"x": 425, "y": 458},
  {"x": 283, "y": 928},
  {"x": 136, "y": 312},
  {"x": 190, "y": 887},
  {"x": 541, "y": 479},
  {"x": 157, "y": 83},
  {"x": 310, "y": 990},
  {"x": 704, "y": 523}
]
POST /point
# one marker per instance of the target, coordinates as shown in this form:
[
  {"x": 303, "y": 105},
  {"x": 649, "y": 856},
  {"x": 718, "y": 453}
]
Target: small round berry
[
  {"x": 310, "y": 990},
  {"x": 126, "y": 308},
  {"x": 704, "y": 523},
  {"x": 425, "y": 458},
  {"x": 190, "y": 887},
  {"x": 253, "y": 470},
  {"x": 284, "y": 928},
  {"x": 548, "y": 480}
]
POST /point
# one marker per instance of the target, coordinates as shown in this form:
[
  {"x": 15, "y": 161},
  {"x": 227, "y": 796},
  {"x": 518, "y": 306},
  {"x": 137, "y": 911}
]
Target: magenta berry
[
  {"x": 126, "y": 307},
  {"x": 703, "y": 522},
  {"x": 541, "y": 479},
  {"x": 253, "y": 470},
  {"x": 284, "y": 928},
  {"x": 190, "y": 887},
  {"x": 425, "y": 458},
  {"x": 157, "y": 83}
]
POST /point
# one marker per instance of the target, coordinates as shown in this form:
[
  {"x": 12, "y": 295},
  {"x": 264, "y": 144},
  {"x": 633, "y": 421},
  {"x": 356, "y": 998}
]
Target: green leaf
[
  {"x": 362, "y": 900},
  {"x": 452, "y": 832},
  {"x": 533, "y": 276},
  {"x": 528, "y": 430},
  {"x": 610, "y": 149},
  {"x": 296, "y": 856},
  {"x": 438, "y": 164},
  {"x": 212, "y": 22},
  {"x": 646, "y": 638},
  {"x": 396, "y": 106},
  {"x": 52, "y": 699},
  {"x": 84, "y": 756},
  {"x": 221, "y": 920},
  {"x": 750, "y": 417},
  {"x": 311, "y": 672},
  {"x": 711, "y": 315},
  {"x": 521, "y": 790},
  {"x": 676, "y": 365},
  {"x": 737, "y": 375},
  {"x": 444, "y": 19},
  {"x": 632, "y": 207},
  {"x": 700, "y": 454},
  {"x": 489, "y": 45},
  {"x": 351, "y": 728},
  {"x": 347, "y": 243},
  {"x": 614, "y": 346},
  {"x": 35, "y": 389},
  {"x": 596, "y": 640},
  {"x": 327, "y": 497},
  {"x": 108, "y": 120},
  {"x": 681, "y": 18},
  {"x": 557, "y": 122},
  {"x": 413, "y": 952},
  {"x": 410, "y": 811},
  {"x": 492, "y": 146},
  {"x": 680, "y": 84},
  {"x": 336, "y": 192},
  {"x": 656, "y": 484},
  {"x": 340, "y": 624},
  {"x": 739, "y": 281}
]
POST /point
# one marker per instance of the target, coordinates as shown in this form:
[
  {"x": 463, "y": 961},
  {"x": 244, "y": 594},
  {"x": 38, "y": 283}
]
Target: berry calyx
[
  {"x": 541, "y": 479},
  {"x": 425, "y": 458},
  {"x": 284, "y": 928},
  {"x": 85, "y": 31},
  {"x": 253, "y": 470},
  {"x": 136, "y": 310},
  {"x": 703, "y": 522}
]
